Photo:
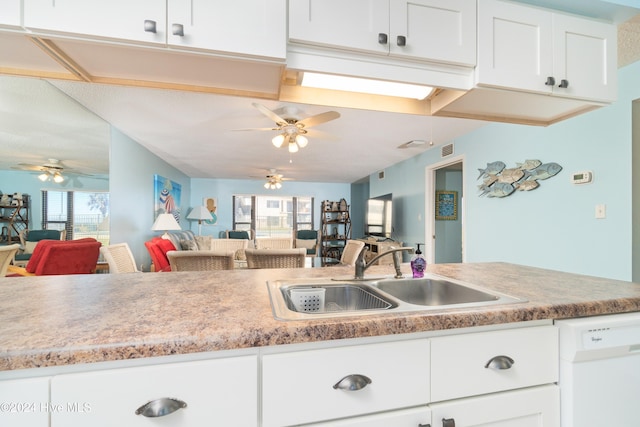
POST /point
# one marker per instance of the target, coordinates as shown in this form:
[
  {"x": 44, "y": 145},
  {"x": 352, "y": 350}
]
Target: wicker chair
[
  {"x": 6, "y": 256},
  {"x": 274, "y": 243},
  {"x": 119, "y": 258},
  {"x": 201, "y": 260},
  {"x": 351, "y": 251},
  {"x": 276, "y": 258}
]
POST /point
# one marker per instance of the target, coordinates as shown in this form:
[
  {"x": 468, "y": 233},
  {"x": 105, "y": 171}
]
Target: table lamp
[
  {"x": 200, "y": 213},
  {"x": 165, "y": 222}
]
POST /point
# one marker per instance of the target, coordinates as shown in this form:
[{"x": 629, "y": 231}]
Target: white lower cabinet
[
  {"x": 327, "y": 384},
  {"x": 533, "y": 407},
  {"x": 415, "y": 417},
  {"x": 220, "y": 392},
  {"x": 25, "y": 402}
]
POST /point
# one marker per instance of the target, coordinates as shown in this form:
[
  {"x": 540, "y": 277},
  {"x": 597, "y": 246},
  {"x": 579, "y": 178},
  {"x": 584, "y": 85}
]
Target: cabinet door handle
[
  {"x": 382, "y": 38},
  {"x": 401, "y": 41},
  {"x": 564, "y": 83},
  {"x": 500, "y": 363},
  {"x": 424, "y": 425},
  {"x": 149, "y": 26},
  {"x": 448, "y": 422},
  {"x": 160, "y": 407},
  {"x": 177, "y": 30},
  {"x": 550, "y": 81},
  {"x": 353, "y": 382}
]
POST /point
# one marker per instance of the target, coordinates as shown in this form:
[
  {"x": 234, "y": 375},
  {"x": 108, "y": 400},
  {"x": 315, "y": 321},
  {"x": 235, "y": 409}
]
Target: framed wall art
[
  {"x": 447, "y": 205},
  {"x": 212, "y": 206},
  {"x": 167, "y": 197}
]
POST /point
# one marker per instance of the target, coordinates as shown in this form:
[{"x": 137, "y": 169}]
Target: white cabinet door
[
  {"x": 25, "y": 403},
  {"x": 514, "y": 46},
  {"x": 10, "y": 13},
  {"x": 317, "y": 385},
  {"x": 115, "y": 19},
  {"x": 353, "y": 24},
  {"x": 440, "y": 30},
  {"x": 404, "y": 418},
  {"x": 584, "y": 54},
  {"x": 222, "y": 392},
  {"x": 247, "y": 27},
  {"x": 534, "y": 407},
  {"x": 536, "y": 50}
]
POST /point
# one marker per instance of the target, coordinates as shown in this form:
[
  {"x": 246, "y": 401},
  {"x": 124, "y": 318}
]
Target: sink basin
[
  {"x": 433, "y": 292},
  {"x": 312, "y": 299},
  {"x": 305, "y": 299}
]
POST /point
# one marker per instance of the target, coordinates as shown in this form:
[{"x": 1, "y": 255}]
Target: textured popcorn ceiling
[{"x": 629, "y": 41}]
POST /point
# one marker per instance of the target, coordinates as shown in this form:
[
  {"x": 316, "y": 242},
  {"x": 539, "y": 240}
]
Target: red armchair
[
  {"x": 54, "y": 257},
  {"x": 158, "y": 249}
]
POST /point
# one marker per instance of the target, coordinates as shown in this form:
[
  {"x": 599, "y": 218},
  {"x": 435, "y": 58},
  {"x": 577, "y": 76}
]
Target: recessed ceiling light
[{"x": 355, "y": 84}]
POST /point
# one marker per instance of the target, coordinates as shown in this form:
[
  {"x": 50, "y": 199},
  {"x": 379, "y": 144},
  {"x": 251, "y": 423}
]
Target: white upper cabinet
[
  {"x": 434, "y": 30},
  {"x": 140, "y": 21},
  {"x": 537, "y": 50},
  {"x": 10, "y": 13},
  {"x": 248, "y": 27}
]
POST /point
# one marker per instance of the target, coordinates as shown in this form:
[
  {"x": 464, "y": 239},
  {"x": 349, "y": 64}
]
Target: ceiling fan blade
[
  {"x": 319, "y": 118},
  {"x": 273, "y": 116},
  {"x": 251, "y": 129},
  {"x": 26, "y": 167}
]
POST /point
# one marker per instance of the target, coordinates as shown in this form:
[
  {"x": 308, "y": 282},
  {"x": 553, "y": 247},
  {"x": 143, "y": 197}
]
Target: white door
[
  {"x": 514, "y": 46},
  {"x": 585, "y": 56},
  {"x": 116, "y": 19},
  {"x": 246, "y": 27},
  {"x": 440, "y": 30},
  {"x": 353, "y": 24},
  {"x": 534, "y": 407}
]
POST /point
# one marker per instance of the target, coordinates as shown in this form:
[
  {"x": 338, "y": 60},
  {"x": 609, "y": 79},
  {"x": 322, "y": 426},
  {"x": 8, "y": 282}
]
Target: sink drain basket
[{"x": 308, "y": 300}]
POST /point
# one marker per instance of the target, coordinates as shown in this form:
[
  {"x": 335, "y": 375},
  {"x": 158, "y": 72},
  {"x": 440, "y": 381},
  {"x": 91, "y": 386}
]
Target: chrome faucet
[{"x": 361, "y": 265}]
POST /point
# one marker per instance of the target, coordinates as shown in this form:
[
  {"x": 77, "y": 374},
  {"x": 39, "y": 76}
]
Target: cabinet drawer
[
  {"x": 24, "y": 403},
  {"x": 458, "y": 362},
  {"x": 299, "y": 387},
  {"x": 220, "y": 392}
]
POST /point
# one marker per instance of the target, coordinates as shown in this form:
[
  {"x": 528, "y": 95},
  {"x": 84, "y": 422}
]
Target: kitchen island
[
  {"x": 63, "y": 320},
  {"x": 104, "y": 350}
]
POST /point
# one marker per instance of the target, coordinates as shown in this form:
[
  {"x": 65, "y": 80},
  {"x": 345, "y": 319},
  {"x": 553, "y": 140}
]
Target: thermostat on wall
[{"x": 582, "y": 177}]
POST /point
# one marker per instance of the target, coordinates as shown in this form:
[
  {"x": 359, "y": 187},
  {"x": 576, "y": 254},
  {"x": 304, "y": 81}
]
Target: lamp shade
[
  {"x": 165, "y": 222},
  {"x": 200, "y": 213}
]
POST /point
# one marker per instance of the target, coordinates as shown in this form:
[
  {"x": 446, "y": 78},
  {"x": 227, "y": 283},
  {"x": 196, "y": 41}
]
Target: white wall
[{"x": 553, "y": 226}]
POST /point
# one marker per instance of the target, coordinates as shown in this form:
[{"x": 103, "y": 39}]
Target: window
[
  {"x": 272, "y": 216},
  {"x": 81, "y": 213}
]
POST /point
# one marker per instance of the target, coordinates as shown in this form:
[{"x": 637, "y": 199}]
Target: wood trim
[{"x": 61, "y": 58}]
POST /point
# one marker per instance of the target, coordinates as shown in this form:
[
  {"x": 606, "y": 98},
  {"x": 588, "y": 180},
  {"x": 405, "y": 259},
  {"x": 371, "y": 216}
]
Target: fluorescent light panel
[{"x": 355, "y": 84}]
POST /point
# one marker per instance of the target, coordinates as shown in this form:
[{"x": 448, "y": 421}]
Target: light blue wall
[
  {"x": 224, "y": 189},
  {"x": 553, "y": 226},
  {"x": 132, "y": 168}
]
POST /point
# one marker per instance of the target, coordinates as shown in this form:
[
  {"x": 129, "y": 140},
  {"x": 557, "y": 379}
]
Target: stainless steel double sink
[{"x": 326, "y": 298}]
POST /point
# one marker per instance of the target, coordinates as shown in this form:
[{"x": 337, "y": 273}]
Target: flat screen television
[{"x": 379, "y": 216}]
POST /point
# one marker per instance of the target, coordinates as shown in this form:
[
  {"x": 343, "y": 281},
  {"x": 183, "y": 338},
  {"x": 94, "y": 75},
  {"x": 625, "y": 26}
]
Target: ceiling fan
[
  {"x": 274, "y": 180},
  {"x": 291, "y": 130},
  {"x": 50, "y": 170}
]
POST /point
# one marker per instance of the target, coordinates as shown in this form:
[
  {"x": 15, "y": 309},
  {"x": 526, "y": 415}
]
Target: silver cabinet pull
[
  {"x": 550, "y": 81},
  {"x": 424, "y": 425},
  {"x": 160, "y": 407},
  {"x": 177, "y": 30},
  {"x": 382, "y": 38},
  {"x": 448, "y": 422},
  {"x": 564, "y": 83},
  {"x": 500, "y": 363},
  {"x": 149, "y": 26},
  {"x": 401, "y": 41},
  {"x": 353, "y": 382}
]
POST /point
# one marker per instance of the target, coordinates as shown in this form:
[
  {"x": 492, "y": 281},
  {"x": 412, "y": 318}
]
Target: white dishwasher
[{"x": 600, "y": 371}]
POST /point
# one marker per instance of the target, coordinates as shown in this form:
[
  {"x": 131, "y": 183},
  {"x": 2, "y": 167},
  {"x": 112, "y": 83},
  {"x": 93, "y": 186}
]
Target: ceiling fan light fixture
[
  {"x": 57, "y": 178},
  {"x": 302, "y": 141},
  {"x": 278, "y": 140},
  {"x": 43, "y": 176},
  {"x": 355, "y": 84},
  {"x": 293, "y": 147}
]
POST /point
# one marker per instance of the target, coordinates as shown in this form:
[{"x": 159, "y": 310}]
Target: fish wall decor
[{"x": 500, "y": 181}]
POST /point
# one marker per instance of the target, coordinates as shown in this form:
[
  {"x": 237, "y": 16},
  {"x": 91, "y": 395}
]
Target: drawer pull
[
  {"x": 160, "y": 407},
  {"x": 177, "y": 30},
  {"x": 448, "y": 422},
  {"x": 353, "y": 382},
  {"x": 500, "y": 363},
  {"x": 149, "y": 26}
]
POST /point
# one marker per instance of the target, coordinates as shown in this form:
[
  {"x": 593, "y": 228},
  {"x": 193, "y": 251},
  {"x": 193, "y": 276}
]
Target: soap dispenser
[{"x": 418, "y": 263}]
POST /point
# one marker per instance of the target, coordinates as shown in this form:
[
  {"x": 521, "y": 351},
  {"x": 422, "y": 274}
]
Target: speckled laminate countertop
[{"x": 63, "y": 320}]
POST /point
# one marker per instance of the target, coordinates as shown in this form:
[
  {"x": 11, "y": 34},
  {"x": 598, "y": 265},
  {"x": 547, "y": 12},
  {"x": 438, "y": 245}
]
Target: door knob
[
  {"x": 564, "y": 83},
  {"x": 149, "y": 26},
  {"x": 382, "y": 38},
  {"x": 177, "y": 30},
  {"x": 401, "y": 41}
]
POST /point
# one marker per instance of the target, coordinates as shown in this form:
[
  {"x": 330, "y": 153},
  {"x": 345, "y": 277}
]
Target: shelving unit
[
  {"x": 14, "y": 219},
  {"x": 336, "y": 228}
]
